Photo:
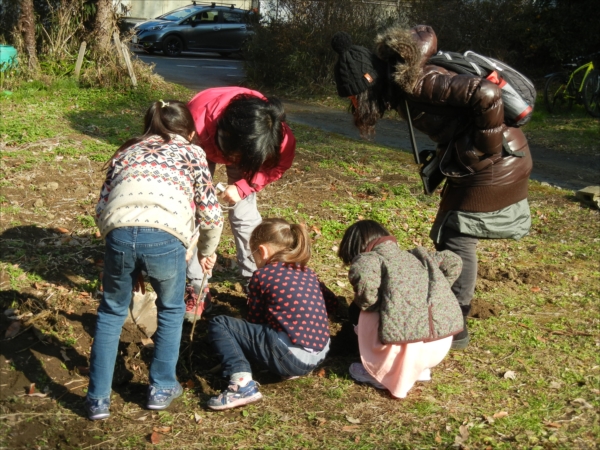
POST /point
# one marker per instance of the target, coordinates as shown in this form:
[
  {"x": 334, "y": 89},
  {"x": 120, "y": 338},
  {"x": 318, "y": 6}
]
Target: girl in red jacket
[{"x": 245, "y": 131}]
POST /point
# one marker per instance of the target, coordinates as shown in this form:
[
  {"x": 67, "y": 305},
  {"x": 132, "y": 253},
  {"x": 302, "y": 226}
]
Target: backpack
[{"x": 518, "y": 92}]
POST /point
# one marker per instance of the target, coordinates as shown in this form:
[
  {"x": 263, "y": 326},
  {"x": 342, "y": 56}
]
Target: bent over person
[{"x": 487, "y": 163}]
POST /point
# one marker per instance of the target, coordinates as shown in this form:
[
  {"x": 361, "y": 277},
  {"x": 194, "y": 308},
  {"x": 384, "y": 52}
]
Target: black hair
[
  {"x": 163, "y": 118},
  {"x": 357, "y": 237},
  {"x": 371, "y": 104},
  {"x": 253, "y": 128},
  {"x": 292, "y": 239}
]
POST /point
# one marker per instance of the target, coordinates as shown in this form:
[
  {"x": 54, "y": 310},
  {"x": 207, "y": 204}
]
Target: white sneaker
[
  {"x": 360, "y": 374},
  {"x": 425, "y": 375}
]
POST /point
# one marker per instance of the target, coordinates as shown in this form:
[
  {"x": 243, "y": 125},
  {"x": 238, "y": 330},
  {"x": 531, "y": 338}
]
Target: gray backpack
[{"x": 518, "y": 92}]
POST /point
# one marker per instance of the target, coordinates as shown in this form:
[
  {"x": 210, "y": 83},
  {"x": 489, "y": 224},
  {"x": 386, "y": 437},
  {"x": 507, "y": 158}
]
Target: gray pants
[
  {"x": 466, "y": 247},
  {"x": 243, "y": 218}
]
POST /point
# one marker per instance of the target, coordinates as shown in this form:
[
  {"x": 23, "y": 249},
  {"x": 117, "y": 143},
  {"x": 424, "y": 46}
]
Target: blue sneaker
[
  {"x": 97, "y": 408},
  {"x": 235, "y": 395},
  {"x": 162, "y": 398}
]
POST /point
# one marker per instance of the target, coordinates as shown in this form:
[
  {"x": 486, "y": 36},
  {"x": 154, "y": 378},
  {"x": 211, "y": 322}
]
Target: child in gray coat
[{"x": 408, "y": 311}]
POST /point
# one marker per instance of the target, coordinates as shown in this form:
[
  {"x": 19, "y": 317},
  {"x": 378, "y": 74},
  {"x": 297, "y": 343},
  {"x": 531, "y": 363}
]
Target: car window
[
  {"x": 176, "y": 15},
  {"x": 207, "y": 16},
  {"x": 232, "y": 17}
]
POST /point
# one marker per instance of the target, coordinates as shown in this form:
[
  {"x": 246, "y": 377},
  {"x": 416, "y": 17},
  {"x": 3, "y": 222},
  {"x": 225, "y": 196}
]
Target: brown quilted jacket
[
  {"x": 464, "y": 115},
  {"x": 410, "y": 289}
]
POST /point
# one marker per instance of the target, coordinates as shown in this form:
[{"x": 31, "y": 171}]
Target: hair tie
[{"x": 163, "y": 104}]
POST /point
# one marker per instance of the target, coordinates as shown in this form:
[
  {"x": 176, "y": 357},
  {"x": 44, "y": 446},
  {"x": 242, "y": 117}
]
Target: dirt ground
[{"x": 46, "y": 360}]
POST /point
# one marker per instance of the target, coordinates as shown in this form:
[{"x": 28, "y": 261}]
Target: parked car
[{"x": 206, "y": 28}]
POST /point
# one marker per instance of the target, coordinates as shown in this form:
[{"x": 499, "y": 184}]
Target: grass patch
[{"x": 529, "y": 379}]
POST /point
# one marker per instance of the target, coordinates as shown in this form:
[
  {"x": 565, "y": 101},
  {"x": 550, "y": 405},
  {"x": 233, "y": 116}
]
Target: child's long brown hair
[
  {"x": 162, "y": 118},
  {"x": 292, "y": 239}
]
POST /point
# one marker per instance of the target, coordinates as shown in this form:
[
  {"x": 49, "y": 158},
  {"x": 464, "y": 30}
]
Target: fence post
[
  {"x": 125, "y": 55},
  {"x": 80, "y": 59}
]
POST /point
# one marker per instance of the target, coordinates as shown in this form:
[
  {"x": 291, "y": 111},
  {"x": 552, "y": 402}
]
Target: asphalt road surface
[{"x": 199, "y": 71}]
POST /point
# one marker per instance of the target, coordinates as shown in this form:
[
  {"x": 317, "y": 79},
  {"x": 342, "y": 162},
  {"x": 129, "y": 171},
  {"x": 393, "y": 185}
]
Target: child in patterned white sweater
[{"x": 158, "y": 189}]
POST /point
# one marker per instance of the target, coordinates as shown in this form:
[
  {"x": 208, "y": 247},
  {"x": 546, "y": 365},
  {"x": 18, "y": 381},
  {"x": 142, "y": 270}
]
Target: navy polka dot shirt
[{"x": 290, "y": 299}]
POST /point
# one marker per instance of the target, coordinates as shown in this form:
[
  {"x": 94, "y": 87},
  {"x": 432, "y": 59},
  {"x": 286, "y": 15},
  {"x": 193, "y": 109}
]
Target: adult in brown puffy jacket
[{"x": 485, "y": 194}]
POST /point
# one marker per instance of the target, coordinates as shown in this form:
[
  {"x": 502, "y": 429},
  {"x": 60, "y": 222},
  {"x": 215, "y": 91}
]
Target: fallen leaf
[
  {"x": 12, "y": 330},
  {"x": 62, "y": 230},
  {"x": 315, "y": 229},
  {"x": 350, "y": 428},
  {"x": 63, "y": 353},
  {"x": 509, "y": 374},
  {"x": 438, "y": 438},
  {"x": 321, "y": 373},
  {"x": 536, "y": 289},
  {"x": 464, "y": 435},
  {"x": 31, "y": 389},
  {"x": 155, "y": 437},
  {"x": 500, "y": 414},
  {"x": 582, "y": 402},
  {"x": 197, "y": 417},
  {"x": 97, "y": 235},
  {"x": 553, "y": 424},
  {"x": 162, "y": 429},
  {"x": 356, "y": 439},
  {"x": 352, "y": 420},
  {"x": 335, "y": 248},
  {"x": 144, "y": 417},
  {"x": 83, "y": 370},
  {"x": 340, "y": 283},
  {"x": 555, "y": 385},
  {"x": 190, "y": 384}
]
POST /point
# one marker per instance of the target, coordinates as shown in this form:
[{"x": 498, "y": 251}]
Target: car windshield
[{"x": 176, "y": 15}]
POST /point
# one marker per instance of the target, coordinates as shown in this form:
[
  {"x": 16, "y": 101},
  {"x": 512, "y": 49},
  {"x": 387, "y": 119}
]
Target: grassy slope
[{"x": 544, "y": 288}]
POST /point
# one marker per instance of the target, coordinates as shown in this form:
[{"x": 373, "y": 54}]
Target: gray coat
[{"x": 411, "y": 291}]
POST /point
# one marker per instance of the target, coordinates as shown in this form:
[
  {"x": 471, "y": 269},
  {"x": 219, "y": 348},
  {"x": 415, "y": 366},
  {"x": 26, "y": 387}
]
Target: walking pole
[{"x": 200, "y": 298}]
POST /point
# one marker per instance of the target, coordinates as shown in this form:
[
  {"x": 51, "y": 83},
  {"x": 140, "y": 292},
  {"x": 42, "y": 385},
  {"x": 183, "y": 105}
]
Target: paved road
[{"x": 203, "y": 70}]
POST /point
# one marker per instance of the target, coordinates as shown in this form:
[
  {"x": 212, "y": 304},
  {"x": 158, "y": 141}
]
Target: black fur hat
[{"x": 357, "y": 67}]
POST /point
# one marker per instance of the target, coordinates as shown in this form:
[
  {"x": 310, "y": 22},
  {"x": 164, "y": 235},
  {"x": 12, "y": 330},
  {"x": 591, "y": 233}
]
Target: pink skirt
[{"x": 397, "y": 367}]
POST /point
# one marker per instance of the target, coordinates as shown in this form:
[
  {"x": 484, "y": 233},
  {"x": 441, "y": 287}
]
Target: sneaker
[
  {"x": 191, "y": 299},
  {"x": 425, "y": 375},
  {"x": 360, "y": 374},
  {"x": 235, "y": 396},
  {"x": 162, "y": 398},
  {"x": 97, "y": 408}
]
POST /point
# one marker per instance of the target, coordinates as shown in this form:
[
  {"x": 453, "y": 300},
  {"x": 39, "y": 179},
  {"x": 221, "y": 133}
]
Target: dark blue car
[{"x": 202, "y": 28}]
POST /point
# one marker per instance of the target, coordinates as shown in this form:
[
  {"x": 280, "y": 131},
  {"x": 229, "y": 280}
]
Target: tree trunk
[
  {"x": 27, "y": 30},
  {"x": 103, "y": 26}
]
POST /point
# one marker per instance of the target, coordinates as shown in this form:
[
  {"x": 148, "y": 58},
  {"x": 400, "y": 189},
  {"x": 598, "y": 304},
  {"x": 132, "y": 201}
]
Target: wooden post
[
  {"x": 80, "y": 59},
  {"x": 125, "y": 55}
]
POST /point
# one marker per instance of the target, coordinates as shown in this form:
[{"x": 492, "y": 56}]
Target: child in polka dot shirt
[{"x": 287, "y": 328}]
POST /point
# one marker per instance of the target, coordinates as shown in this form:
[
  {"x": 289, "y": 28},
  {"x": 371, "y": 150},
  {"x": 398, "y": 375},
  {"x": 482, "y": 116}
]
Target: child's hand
[
  {"x": 231, "y": 195},
  {"x": 208, "y": 262}
]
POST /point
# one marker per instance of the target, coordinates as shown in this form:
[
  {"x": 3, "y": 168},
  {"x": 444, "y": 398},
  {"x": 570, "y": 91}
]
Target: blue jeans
[
  {"x": 237, "y": 342},
  {"x": 129, "y": 250}
]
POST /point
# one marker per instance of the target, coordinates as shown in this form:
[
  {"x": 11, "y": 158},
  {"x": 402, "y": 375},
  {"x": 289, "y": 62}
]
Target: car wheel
[{"x": 172, "y": 46}]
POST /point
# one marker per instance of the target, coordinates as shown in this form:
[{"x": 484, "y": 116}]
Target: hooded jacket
[
  {"x": 410, "y": 289},
  {"x": 206, "y": 108},
  {"x": 464, "y": 115}
]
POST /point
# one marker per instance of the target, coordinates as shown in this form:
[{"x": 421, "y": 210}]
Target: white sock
[{"x": 240, "y": 378}]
